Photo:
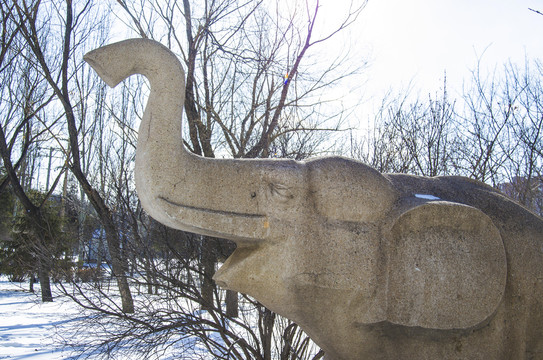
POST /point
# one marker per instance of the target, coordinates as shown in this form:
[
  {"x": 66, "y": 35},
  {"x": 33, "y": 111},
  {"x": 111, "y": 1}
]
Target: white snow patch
[
  {"x": 28, "y": 326},
  {"x": 427, "y": 197},
  {"x": 32, "y": 330}
]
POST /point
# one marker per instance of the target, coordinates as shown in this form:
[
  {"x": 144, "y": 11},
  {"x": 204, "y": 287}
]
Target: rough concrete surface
[{"x": 371, "y": 266}]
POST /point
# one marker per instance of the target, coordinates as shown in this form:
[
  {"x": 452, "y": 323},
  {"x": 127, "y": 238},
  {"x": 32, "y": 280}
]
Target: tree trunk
[
  {"x": 232, "y": 304},
  {"x": 120, "y": 270},
  {"x": 31, "y": 285},
  {"x": 45, "y": 284},
  {"x": 209, "y": 260},
  {"x": 266, "y": 321}
]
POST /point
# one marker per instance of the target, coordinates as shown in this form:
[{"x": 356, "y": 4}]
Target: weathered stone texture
[{"x": 372, "y": 266}]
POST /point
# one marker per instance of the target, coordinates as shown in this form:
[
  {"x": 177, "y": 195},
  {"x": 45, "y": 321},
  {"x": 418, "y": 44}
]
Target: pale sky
[
  {"x": 412, "y": 43},
  {"x": 415, "y": 41}
]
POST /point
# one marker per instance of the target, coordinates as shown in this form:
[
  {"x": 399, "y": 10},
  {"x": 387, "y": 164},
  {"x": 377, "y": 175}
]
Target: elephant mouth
[
  {"x": 247, "y": 230},
  {"x": 240, "y": 227},
  {"x": 240, "y": 272}
]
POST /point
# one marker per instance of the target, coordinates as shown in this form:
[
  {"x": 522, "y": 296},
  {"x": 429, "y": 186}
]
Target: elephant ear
[{"x": 447, "y": 267}]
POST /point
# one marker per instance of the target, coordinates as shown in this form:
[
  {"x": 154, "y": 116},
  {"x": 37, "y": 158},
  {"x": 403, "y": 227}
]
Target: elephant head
[{"x": 330, "y": 243}]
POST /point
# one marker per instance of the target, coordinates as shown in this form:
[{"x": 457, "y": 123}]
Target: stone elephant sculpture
[{"x": 371, "y": 266}]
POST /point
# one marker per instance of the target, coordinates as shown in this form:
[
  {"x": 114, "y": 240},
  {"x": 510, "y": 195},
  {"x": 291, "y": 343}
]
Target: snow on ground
[
  {"x": 28, "y": 327},
  {"x": 32, "y": 330}
]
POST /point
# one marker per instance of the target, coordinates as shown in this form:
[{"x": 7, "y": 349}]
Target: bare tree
[
  {"x": 487, "y": 121},
  {"x": 246, "y": 82},
  {"x": 523, "y": 93},
  {"x": 57, "y": 67},
  {"x": 492, "y": 134},
  {"x": 412, "y": 136},
  {"x": 22, "y": 130}
]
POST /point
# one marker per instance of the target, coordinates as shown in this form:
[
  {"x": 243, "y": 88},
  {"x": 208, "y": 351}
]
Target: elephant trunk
[{"x": 176, "y": 187}]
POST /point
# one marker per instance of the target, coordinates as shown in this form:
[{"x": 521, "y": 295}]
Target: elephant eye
[{"x": 280, "y": 192}]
